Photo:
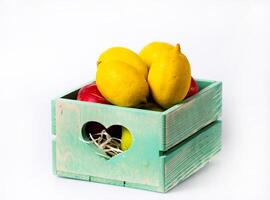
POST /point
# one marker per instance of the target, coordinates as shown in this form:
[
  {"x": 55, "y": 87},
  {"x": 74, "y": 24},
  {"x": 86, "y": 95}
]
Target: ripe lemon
[
  {"x": 169, "y": 78},
  {"x": 124, "y": 55},
  {"x": 126, "y": 139},
  {"x": 154, "y": 50},
  {"x": 121, "y": 84}
]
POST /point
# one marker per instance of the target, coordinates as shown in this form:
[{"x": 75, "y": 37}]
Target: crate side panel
[
  {"x": 193, "y": 114},
  {"x": 106, "y": 181},
  {"x": 159, "y": 188},
  {"x": 53, "y": 117},
  {"x": 141, "y": 164},
  {"x": 54, "y": 156},
  {"x": 72, "y": 175},
  {"x": 204, "y": 83},
  {"x": 109, "y": 181},
  {"x": 192, "y": 155}
]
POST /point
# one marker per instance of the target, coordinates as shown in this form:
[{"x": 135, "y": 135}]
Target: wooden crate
[{"x": 167, "y": 146}]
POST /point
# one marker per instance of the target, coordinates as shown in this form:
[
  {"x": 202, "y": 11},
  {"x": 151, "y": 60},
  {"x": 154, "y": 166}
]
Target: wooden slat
[
  {"x": 196, "y": 112},
  {"x": 192, "y": 155},
  {"x": 160, "y": 155},
  {"x": 54, "y": 155},
  {"x": 53, "y": 117},
  {"x": 139, "y": 166}
]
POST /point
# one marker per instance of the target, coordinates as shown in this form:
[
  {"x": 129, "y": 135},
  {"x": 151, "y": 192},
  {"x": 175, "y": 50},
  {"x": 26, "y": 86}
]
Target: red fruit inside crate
[
  {"x": 193, "y": 89},
  {"x": 107, "y": 140},
  {"x": 91, "y": 93}
]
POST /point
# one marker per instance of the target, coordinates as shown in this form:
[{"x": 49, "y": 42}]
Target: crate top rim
[
  {"x": 165, "y": 112},
  {"x": 213, "y": 83}
]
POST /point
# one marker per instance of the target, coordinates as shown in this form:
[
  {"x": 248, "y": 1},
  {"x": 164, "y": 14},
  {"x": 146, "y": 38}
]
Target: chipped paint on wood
[{"x": 159, "y": 140}]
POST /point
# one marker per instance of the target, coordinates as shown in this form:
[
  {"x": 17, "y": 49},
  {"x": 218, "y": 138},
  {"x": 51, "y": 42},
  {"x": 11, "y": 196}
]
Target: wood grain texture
[
  {"x": 53, "y": 117},
  {"x": 160, "y": 155},
  {"x": 192, "y": 154},
  {"x": 54, "y": 155},
  {"x": 140, "y": 165},
  {"x": 185, "y": 119}
]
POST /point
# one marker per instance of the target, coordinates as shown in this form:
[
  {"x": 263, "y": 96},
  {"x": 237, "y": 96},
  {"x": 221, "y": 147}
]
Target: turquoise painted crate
[{"x": 167, "y": 146}]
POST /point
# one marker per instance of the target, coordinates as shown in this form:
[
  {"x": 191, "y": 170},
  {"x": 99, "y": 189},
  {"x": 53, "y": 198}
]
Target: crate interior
[{"x": 73, "y": 95}]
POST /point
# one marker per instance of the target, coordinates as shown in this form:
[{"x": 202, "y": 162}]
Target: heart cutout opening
[{"x": 109, "y": 141}]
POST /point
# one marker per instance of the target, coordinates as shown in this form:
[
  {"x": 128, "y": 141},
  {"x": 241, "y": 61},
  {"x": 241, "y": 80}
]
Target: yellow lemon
[
  {"x": 169, "y": 78},
  {"x": 124, "y": 55},
  {"x": 155, "y": 50},
  {"x": 126, "y": 139},
  {"x": 121, "y": 84}
]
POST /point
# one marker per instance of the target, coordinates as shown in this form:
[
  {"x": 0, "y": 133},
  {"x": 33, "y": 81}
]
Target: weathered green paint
[
  {"x": 192, "y": 154},
  {"x": 53, "y": 116},
  {"x": 54, "y": 155},
  {"x": 185, "y": 119},
  {"x": 140, "y": 164},
  {"x": 144, "y": 164}
]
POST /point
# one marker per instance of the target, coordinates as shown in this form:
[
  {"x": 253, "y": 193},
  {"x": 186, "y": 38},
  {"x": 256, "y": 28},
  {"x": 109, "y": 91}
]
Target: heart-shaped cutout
[{"x": 109, "y": 141}]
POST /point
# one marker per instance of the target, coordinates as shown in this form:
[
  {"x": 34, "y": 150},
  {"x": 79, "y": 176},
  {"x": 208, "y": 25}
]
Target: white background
[{"x": 49, "y": 47}]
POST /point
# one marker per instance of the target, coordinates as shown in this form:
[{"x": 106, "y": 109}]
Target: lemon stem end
[
  {"x": 177, "y": 47},
  {"x": 98, "y": 62}
]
